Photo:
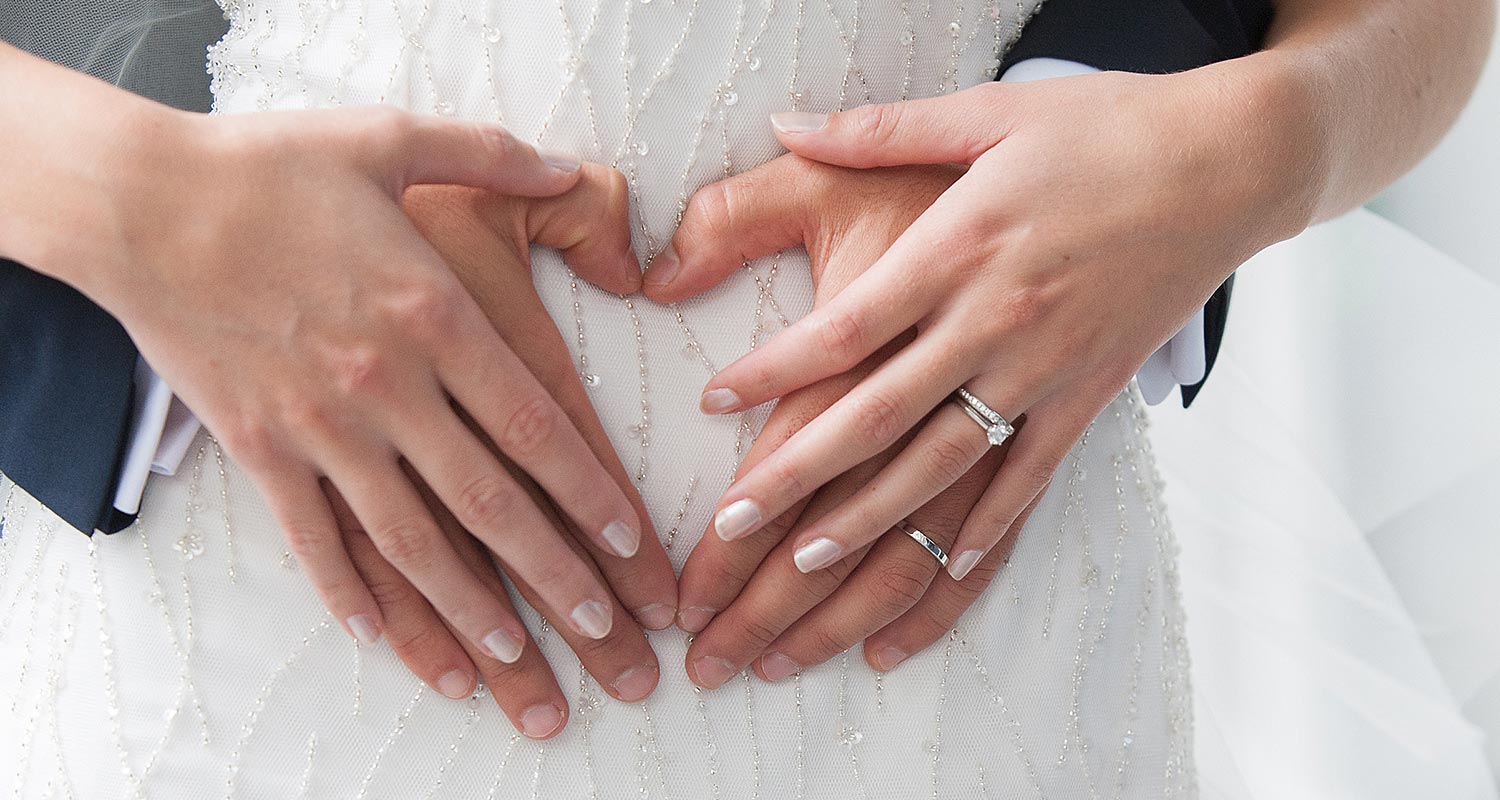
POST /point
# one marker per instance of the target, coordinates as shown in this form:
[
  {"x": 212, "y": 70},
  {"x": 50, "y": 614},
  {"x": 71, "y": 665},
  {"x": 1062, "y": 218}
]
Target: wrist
[{"x": 1263, "y": 120}]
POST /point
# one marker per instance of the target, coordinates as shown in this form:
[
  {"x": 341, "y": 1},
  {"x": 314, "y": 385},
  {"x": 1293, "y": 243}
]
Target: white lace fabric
[{"x": 189, "y": 657}]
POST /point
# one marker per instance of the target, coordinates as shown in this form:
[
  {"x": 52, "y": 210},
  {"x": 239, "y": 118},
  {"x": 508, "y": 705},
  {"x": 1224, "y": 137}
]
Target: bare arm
[{"x": 1371, "y": 86}]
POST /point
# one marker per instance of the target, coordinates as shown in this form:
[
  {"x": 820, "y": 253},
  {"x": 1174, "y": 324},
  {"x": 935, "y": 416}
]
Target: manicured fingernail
[
  {"x": 888, "y": 657},
  {"x": 540, "y": 720},
  {"x": 502, "y": 645},
  {"x": 656, "y": 616},
  {"x": 817, "y": 554},
  {"x": 776, "y": 666},
  {"x": 663, "y": 267},
  {"x": 566, "y": 163},
  {"x": 456, "y": 685},
  {"x": 695, "y": 618},
  {"x": 963, "y": 562},
  {"x": 623, "y": 538},
  {"x": 634, "y": 683},
  {"x": 798, "y": 121},
  {"x": 739, "y": 518},
  {"x": 592, "y": 619},
  {"x": 719, "y": 401},
  {"x": 713, "y": 671},
  {"x": 363, "y": 628}
]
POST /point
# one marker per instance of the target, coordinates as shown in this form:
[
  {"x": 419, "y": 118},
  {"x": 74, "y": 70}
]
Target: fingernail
[
  {"x": 456, "y": 685},
  {"x": 656, "y": 616},
  {"x": 888, "y": 657},
  {"x": 540, "y": 720},
  {"x": 963, "y": 562},
  {"x": 500, "y": 644},
  {"x": 592, "y": 619},
  {"x": 798, "y": 121},
  {"x": 566, "y": 163},
  {"x": 775, "y": 666},
  {"x": 817, "y": 554},
  {"x": 663, "y": 267},
  {"x": 363, "y": 628},
  {"x": 634, "y": 683},
  {"x": 623, "y": 538},
  {"x": 719, "y": 401},
  {"x": 695, "y": 618},
  {"x": 737, "y": 519},
  {"x": 713, "y": 671}
]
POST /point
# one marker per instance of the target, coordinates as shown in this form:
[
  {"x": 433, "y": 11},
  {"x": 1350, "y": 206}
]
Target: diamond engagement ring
[
  {"x": 996, "y": 428},
  {"x": 922, "y": 539}
]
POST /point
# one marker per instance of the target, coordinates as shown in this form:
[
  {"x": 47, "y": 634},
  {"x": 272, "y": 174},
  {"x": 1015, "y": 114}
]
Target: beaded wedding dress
[{"x": 189, "y": 658}]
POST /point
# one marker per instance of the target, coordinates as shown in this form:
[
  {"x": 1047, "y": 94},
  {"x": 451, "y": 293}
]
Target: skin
[
  {"x": 1025, "y": 280},
  {"x": 347, "y": 357}
]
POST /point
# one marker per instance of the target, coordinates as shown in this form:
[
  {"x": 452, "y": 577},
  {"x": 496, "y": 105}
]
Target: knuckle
[
  {"x": 945, "y": 460},
  {"x": 529, "y": 427},
  {"x": 1023, "y": 307},
  {"x": 425, "y": 312},
  {"x": 877, "y": 124},
  {"x": 786, "y": 475},
  {"x": 250, "y": 440},
  {"x": 710, "y": 211},
  {"x": 393, "y": 595},
  {"x": 386, "y": 125},
  {"x": 313, "y": 416},
  {"x": 878, "y": 418},
  {"x": 843, "y": 337},
  {"x": 826, "y": 644},
  {"x": 497, "y": 143},
  {"x": 416, "y": 641},
  {"x": 756, "y": 634},
  {"x": 408, "y": 544},
  {"x": 1038, "y": 472},
  {"x": 485, "y": 503},
  {"x": 901, "y": 585},
  {"x": 305, "y": 541}
]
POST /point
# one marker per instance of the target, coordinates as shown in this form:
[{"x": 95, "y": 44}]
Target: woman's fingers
[
  {"x": 872, "y": 417},
  {"x": 518, "y": 414},
  {"x": 939, "y": 609},
  {"x": 590, "y": 224},
  {"x": 312, "y": 534},
  {"x": 956, "y": 128},
  {"x": 750, "y": 215},
  {"x": 1039, "y": 447},
  {"x": 415, "y": 632}
]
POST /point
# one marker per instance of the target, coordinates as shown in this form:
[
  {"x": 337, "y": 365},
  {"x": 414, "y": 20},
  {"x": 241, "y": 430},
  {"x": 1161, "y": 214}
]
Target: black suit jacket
[{"x": 66, "y": 366}]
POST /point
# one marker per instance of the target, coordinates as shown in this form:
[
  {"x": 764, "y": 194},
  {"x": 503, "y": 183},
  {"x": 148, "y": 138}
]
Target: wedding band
[
  {"x": 922, "y": 539},
  {"x": 996, "y": 428}
]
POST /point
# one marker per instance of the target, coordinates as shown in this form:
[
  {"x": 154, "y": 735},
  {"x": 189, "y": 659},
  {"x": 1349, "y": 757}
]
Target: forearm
[
  {"x": 1367, "y": 86},
  {"x": 74, "y": 146}
]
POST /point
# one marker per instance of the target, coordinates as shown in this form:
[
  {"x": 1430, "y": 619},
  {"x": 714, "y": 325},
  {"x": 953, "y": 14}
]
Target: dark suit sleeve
[
  {"x": 66, "y": 377},
  {"x": 1155, "y": 37}
]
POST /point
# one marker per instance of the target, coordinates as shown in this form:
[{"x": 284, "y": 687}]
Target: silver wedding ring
[
  {"x": 996, "y": 428},
  {"x": 923, "y": 539}
]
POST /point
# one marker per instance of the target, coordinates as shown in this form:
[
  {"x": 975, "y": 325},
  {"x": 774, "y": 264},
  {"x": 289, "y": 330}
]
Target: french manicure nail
[
  {"x": 963, "y": 562},
  {"x": 363, "y": 628},
  {"x": 540, "y": 720},
  {"x": 798, "y": 121},
  {"x": 635, "y": 683},
  {"x": 719, "y": 401},
  {"x": 713, "y": 671},
  {"x": 663, "y": 267},
  {"x": 695, "y": 618},
  {"x": 888, "y": 657},
  {"x": 500, "y": 644},
  {"x": 566, "y": 163},
  {"x": 776, "y": 666},
  {"x": 592, "y": 619},
  {"x": 623, "y": 538},
  {"x": 817, "y": 554},
  {"x": 456, "y": 685},
  {"x": 739, "y": 518},
  {"x": 656, "y": 616}
]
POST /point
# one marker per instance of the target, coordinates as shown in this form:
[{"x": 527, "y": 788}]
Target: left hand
[{"x": 1098, "y": 213}]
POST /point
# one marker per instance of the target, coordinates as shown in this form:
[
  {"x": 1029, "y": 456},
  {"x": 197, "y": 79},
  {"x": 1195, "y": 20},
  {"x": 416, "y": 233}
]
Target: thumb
[
  {"x": 953, "y": 129},
  {"x": 590, "y": 224},
  {"x": 727, "y": 223},
  {"x": 428, "y": 149}
]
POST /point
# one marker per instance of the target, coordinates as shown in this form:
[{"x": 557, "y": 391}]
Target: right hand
[
  {"x": 265, "y": 268},
  {"x": 485, "y": 238}
]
